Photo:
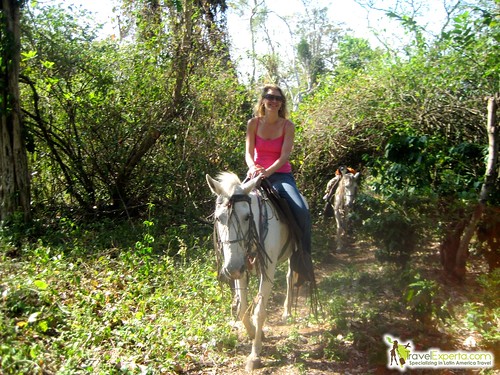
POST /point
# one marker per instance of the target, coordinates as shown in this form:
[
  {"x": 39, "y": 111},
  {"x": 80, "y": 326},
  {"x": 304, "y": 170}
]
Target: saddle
[
  {"x": 301, "y": 261},
  {"x": 328, "y": 209}
]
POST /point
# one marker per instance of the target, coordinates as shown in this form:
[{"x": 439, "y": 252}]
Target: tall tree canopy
[{"x": 98, "y": 108}]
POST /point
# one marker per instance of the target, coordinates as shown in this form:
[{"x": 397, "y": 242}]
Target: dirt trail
[{"x": 299, "y": 347}]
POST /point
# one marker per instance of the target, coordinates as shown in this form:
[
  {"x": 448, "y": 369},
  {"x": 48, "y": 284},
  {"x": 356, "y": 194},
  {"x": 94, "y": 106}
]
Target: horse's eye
[{"x": 247, "y": 217}]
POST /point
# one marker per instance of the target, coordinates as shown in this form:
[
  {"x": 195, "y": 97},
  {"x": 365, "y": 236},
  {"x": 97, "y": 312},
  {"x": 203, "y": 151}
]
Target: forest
[{"x": 107, "y": 260}]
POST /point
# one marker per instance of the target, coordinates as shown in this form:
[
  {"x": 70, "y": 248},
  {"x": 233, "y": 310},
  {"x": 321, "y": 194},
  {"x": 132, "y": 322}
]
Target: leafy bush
[
  {"x": 394, "y": 229},
  {"x": 84, "y": 306},
  {"x": 420, "y": 299},
  {"x": 483, "y": 316}
]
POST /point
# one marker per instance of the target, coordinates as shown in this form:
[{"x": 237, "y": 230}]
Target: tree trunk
[
  {"x": 491, "y": 174},
  {"x": 15, "y": 187},
  {"x": 488, "y": 185}
]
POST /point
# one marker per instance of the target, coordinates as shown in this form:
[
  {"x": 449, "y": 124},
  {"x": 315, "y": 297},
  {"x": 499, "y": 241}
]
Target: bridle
[
  {"x": 236, "y": 198},
  {"x": 249, "y": 240}
]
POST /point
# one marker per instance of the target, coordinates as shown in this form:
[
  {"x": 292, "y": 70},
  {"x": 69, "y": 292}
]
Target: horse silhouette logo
[{"x": 398, "y": 352}]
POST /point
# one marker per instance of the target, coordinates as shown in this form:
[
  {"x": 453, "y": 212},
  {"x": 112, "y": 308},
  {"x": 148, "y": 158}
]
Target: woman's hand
[
  {"x": 264, "y": 173},
  {"x": 256, "y": 170}
]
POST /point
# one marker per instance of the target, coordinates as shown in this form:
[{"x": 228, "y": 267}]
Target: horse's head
[
  {"x": 350, "y": 183},
  {"x": 234, "y": 221}
]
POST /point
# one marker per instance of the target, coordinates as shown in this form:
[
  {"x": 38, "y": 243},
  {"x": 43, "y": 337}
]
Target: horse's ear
[
  {"x": 250, "y": 185},
  {"x": 214, "y": 185}
]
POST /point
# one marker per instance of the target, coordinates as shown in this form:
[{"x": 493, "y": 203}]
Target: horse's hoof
[{"x": 253, "y": 363}]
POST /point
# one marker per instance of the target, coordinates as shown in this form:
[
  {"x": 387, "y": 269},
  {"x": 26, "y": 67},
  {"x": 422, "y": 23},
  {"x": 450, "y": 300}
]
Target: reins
[
  {"x": 230, "y": 229},
  {"x": 255, "y": 251},
  {"x": 232, "y": 201}
]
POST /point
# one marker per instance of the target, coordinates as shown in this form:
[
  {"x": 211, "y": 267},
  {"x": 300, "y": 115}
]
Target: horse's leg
[
  {"x": 243, "y": 312},
  {"x": 259, "y": 317},
  {"x": 287, "y": 308},
  {"x": 340, "y": 229}
]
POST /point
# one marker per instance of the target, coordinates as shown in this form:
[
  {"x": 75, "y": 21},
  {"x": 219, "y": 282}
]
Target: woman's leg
[{"x": 285, "y": 184}]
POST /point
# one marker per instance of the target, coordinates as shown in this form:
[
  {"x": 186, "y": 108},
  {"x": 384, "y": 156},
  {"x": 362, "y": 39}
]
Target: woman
[{"x": 269, "y": 142}]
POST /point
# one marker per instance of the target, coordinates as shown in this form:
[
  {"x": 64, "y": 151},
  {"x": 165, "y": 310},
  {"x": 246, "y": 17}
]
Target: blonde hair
[{"x": 260, "y": 110}]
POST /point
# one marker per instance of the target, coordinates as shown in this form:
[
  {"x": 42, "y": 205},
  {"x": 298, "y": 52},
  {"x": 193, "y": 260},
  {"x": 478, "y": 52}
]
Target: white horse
[
  {"x": 345, "y": 187},
  {"x": 250, "y": 234}
]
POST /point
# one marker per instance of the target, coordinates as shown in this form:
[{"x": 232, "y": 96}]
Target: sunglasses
[{"x": 273, "y": 97}]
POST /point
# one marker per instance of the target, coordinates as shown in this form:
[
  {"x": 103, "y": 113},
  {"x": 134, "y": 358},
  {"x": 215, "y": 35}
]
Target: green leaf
[
  {"x": 28, "y": 55},
  {"x": 41, "y": 285},
  {"x": 43, "y": 325}
]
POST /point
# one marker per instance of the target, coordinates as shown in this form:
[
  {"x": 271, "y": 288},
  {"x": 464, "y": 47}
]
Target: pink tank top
[{"x": 267, "y": 151}]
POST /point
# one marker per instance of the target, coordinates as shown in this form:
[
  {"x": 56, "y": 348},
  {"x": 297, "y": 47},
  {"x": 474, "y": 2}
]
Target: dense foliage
[
  {"x": 110, "y": 309},
  {"x": 415, "y": 125},
  {"x": 115, "y": 273},
  {"x": 115, "y": 125}
]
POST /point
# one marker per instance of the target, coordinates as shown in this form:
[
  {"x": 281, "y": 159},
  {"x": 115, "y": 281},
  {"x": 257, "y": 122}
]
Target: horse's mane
[{"x": 229, "y": 181}]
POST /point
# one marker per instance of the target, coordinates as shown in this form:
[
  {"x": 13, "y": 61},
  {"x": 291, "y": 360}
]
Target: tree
[
  {"x": 113, "y": 120},
  {"x": 314, "y": 66},
  {"x": 319, "y": 38},
  {"x": 257, "y": 16},
  {"x": 15, "y": 186},
  {"x": 354, "y": 54}
]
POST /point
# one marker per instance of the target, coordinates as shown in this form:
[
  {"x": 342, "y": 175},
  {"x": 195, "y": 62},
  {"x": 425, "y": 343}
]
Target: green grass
[
  {"x": 117, "y": 298},
  {"x": 76, "y": 308}
]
